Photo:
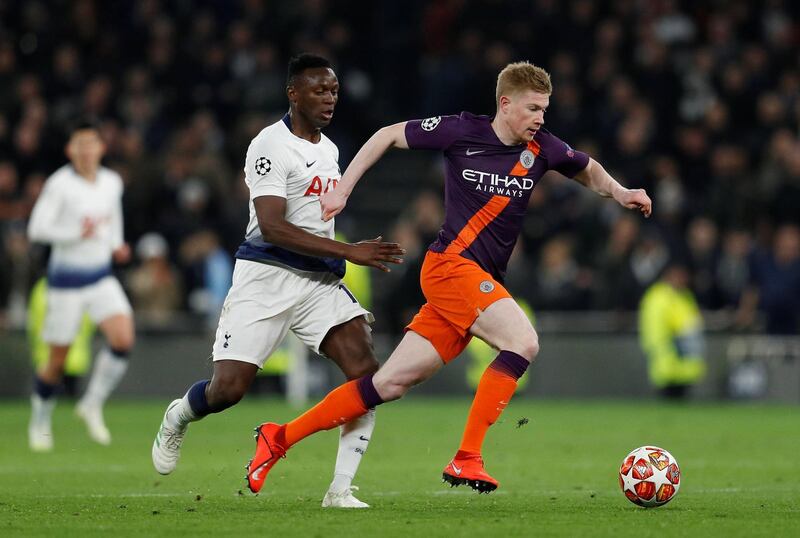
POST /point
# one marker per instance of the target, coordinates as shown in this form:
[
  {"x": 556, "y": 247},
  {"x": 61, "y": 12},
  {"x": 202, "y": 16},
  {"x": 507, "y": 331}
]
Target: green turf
[{"x": 741, "y": 475}]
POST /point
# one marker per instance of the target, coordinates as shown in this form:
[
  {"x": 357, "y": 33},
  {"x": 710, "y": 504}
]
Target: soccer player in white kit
[
  {"x": 79, "y": 213},
  {"x": 288, "y": 276}
]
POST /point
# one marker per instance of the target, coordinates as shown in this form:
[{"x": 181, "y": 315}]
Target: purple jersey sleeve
[
  {"x": 561, "y": 157},
  {"x": 438, "y": 132}
]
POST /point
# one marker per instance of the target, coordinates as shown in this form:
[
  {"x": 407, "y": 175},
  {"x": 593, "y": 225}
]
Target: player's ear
[{"x": 503, "y": 103}]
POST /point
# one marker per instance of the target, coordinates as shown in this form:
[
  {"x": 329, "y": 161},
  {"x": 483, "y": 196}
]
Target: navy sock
[
  {"x": 119, "y": 354},
  {"x": 197, "y": 399},
  {"x": 44, "y": 390}
]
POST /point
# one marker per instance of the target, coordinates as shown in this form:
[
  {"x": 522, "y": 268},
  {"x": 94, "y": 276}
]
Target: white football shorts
[
  {"x": 265, "y": 302},
  {"x": 66, "y": 306}
]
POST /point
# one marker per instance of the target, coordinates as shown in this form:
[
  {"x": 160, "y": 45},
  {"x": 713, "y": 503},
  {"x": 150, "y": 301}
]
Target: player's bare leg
[
  {"x": 109, "y": 368},
  {"x": 43, "y": 399},
  {"x": 349, "y": 345},
  {"x": 504, "y": 326},
  {"x": 412, "y": 362},
  {"x": 229, "y": 383}
]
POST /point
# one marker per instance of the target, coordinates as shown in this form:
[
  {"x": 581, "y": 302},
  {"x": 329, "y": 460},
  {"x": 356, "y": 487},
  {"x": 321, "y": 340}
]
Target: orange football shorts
[{"x": 457, "y": 290}]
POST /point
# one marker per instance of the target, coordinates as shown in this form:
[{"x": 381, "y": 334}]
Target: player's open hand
[
  {"x": 636, "y": 199},
  {"x": 375, "y": 253},
  {"x": 332, "y": 203}
]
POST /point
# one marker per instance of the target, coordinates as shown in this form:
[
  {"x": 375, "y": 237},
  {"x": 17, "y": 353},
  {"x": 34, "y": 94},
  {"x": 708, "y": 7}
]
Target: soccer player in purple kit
[{"x": 492, "y": 166}]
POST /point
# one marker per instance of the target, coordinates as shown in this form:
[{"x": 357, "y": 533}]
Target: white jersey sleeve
[
  {"x": 46, "y": 224},
  {"x": 268, "y": 165}
]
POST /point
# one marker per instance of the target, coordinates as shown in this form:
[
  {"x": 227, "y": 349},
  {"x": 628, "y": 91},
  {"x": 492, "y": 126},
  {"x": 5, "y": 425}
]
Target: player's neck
[
  {"x": 302, "y": 128},
  {"x": 504, "y": 133},
  {"x": 89, "y": 173}
]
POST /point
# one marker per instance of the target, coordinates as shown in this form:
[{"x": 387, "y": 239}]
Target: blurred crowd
[{"x": 698, "y": 102}]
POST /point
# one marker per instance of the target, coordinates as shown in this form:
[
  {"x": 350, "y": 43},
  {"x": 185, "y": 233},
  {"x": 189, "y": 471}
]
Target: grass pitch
[{"x": 557, "y": 473}]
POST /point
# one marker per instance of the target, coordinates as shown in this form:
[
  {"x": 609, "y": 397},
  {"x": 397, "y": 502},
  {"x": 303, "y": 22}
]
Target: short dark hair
[
  {"x": 82, "y": 124},
  {"x": 303, "y": 61}
]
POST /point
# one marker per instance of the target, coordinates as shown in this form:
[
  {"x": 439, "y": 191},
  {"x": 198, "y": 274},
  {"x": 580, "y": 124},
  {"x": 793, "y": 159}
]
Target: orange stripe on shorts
[{"x": 477, "y": 223}]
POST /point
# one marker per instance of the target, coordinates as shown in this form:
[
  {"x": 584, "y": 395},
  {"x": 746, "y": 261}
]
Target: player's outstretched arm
[
  {"x": 275, "y": 229},
  {"x": 595, "y": 177},
  {"x": 333, "y": 202}
]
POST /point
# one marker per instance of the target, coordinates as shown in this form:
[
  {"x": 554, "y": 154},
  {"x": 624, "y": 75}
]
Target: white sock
[
  {"x": 107, "y": 373},
  {"x": 182, "y": 414},
  {"x": 42, "y": 410},
  {"x": 353, "y": 441}
]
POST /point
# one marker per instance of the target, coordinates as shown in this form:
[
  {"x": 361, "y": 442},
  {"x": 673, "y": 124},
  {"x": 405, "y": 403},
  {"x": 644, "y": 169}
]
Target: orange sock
[
  {"x": 342, "y": 404},
  {"x": 495, "y": 389}
]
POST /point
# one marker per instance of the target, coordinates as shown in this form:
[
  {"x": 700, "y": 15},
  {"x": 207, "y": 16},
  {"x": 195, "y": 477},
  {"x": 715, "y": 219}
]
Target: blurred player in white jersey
[
  {"x": 79, "y": 213},
  {"x": 288, "y": 276}
]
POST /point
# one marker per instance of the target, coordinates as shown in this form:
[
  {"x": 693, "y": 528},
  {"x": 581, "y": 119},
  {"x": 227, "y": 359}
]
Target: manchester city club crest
[
  {"x": 526, "y": 158},
  {"x": 430, "y": 123},
  {"x": 487, "y": 286}
]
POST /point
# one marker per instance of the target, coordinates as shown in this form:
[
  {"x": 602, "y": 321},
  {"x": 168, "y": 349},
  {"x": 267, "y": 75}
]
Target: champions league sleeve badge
[
  {"x": 526, "y": 158},
  {"x": 263, "y": 166},
  {"x": 430, "y": 123}
]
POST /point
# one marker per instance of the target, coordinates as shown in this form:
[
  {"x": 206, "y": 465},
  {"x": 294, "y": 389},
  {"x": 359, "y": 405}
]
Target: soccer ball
[{"x": 649, "y": 476}]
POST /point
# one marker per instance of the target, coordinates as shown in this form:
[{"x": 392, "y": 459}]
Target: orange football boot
[
  {"x": 467, "y": 468},
  {"x": 268, "y": 451}
]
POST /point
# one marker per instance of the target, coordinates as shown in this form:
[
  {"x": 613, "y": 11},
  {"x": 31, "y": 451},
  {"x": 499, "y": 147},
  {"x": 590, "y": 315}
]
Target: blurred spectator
[
  {"x": 208, "y": 275},
  {"x": 703, "y": 259},
  {"x": 561, "y": 284},
  {"x": 733, "y": 271},
  {"x": 155, "y": 285},
  {"x": 614, "y": 289},
  {"x": 647, "y": 260},
  {"x": 775, "y": 284},
  {"x": 671, "y": 333}
]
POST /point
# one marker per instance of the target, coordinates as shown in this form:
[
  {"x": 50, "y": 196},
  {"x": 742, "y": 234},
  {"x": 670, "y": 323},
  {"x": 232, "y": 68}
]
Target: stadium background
[{"x": 698, "y": 102}]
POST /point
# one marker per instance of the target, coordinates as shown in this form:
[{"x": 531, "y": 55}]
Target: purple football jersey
[{"x": 488, "y": 184}]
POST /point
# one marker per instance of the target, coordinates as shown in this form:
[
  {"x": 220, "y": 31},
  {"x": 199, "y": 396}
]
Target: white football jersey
[
  {"x": 66, "y": 202},
  {"x": 278, "y": 163}
]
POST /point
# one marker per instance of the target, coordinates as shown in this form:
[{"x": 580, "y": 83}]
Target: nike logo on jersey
[
  {"x": 309, "y": 165},
  {"x": 471, "y": 152},
  {"x": 363, "y": 438}
]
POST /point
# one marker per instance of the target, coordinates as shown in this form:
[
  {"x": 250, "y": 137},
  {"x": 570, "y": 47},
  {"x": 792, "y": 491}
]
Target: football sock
[
  {"x": 495, "y": 389},
  {"x": 109, "y": 369},
  {"x": 353, "y": 441},
  {"x": 42, "y": 389},
  {"x": 42, "y": 410},
  {"x": 341, "y": 405},
  {"x": 192, "y": 407}
]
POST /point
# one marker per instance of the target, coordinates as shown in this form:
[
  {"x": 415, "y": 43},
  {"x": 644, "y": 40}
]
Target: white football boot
[
  {"x": 343, "y": 499},
  {"x": 167, "y": 445},
  {"x": 92, "y": 415}
]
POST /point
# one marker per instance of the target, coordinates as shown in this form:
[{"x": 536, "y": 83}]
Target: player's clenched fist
[
  {"x": 374, "y": 251},
  {"x": 636, "y": 199},
  {"x": 332, "y": 203}
]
